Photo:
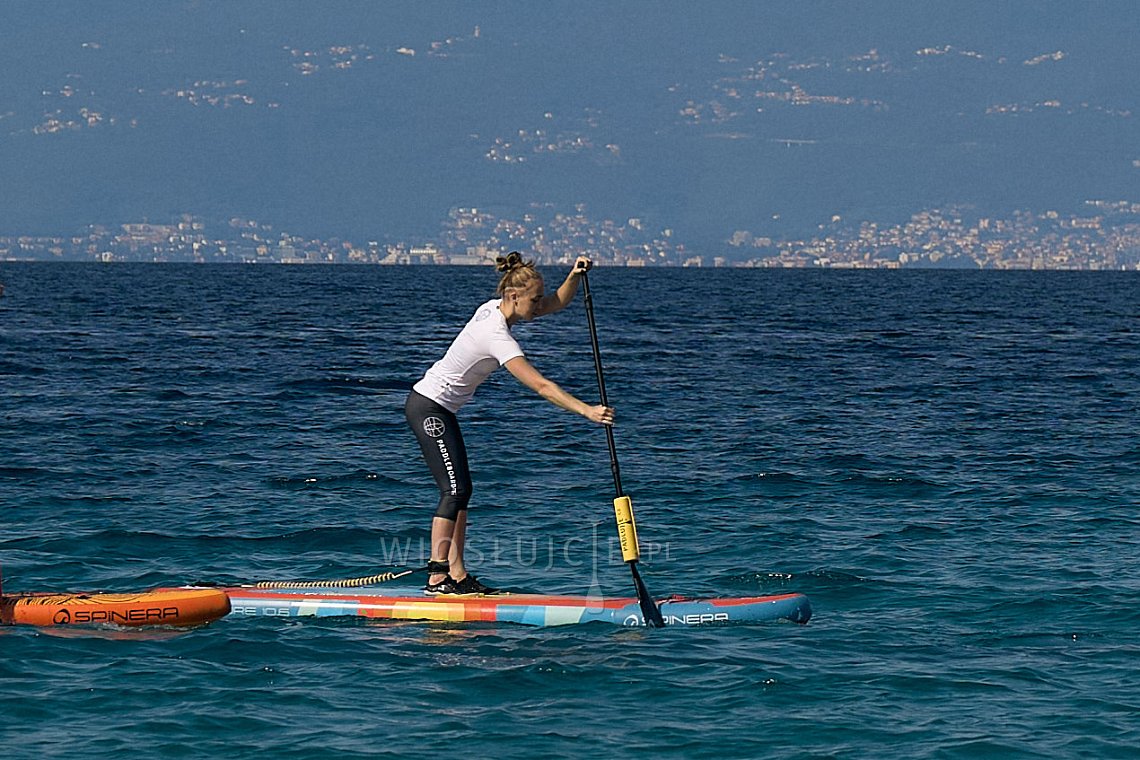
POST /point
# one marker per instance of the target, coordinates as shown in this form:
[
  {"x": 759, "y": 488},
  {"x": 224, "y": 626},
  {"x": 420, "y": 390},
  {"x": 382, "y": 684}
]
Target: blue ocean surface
[{"x": 946, "y": 463}]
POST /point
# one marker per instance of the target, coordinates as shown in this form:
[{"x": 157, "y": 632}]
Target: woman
[{"x": 484, "y": 345}]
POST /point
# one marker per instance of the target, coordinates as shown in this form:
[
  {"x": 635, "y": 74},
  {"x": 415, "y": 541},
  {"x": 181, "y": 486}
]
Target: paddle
[{"x": 623, "y": 507}]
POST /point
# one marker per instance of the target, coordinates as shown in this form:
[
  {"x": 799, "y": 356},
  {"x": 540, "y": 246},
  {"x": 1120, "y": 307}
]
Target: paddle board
[
  {"x": 161, "y": 606},
  {"x": 526, "y": 609}
]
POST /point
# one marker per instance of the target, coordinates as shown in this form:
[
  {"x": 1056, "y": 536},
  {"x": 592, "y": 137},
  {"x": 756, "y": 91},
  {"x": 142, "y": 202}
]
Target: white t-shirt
[{"x": 483, "y": 346}]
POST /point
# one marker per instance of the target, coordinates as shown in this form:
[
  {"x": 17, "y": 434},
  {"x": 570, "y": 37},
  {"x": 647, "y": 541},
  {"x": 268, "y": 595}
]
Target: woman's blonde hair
[{"x": 517, "y": 274}]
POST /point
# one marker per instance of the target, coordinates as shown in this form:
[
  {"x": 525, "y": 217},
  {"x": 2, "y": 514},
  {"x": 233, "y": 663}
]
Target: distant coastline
[{"x": 1106, "y": 237}]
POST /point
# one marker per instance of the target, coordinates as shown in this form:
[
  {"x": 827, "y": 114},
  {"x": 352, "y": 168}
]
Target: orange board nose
[{"x": 163, "y": 606}]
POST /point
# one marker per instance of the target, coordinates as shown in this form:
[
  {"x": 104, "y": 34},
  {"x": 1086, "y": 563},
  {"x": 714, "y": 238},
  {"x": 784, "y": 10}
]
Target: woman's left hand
[
  {"x": 600, "y": 414},
  {"x": 582, "y": 264}
]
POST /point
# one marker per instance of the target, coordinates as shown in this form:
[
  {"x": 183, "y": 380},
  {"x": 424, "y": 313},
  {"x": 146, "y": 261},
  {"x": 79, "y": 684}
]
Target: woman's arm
[
  {"x": 526, "y": 374},
  {"x": 561, "y": 298}
]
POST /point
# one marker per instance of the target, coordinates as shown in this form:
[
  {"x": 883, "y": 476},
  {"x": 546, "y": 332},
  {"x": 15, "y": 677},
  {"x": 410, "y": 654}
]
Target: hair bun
[{"x": 510, "y": 262}]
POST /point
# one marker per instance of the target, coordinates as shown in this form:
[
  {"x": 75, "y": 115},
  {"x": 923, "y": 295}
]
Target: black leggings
[{"x": 441, "y": 441}]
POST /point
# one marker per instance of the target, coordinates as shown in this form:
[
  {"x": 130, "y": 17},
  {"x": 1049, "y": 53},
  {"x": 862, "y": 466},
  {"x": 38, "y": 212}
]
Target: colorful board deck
[
  {"x": 525, "y": 609},
  {"x": 161, "y": 606}
]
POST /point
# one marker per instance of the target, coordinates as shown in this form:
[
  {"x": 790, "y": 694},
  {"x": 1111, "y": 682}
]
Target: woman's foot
[
  {"x": 468, "y": 585},
  {"x": 445, "y": 586}
]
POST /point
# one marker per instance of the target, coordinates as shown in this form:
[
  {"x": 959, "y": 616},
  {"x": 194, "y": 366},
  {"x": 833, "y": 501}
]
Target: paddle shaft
[
  {"x": 649, "y": 609},
  {"x": 601, "y": 383}
]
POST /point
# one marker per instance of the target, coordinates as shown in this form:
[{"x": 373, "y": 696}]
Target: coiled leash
[{"x": 433, "y": 567}]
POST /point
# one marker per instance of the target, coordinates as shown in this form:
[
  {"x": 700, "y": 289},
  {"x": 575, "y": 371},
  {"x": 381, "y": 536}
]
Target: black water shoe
[
  {"x": 471, "y": 585},
  {"x": 446, "y": 586}
]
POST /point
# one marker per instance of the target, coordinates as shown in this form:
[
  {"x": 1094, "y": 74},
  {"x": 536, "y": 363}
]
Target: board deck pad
[{"x": 525, "y": 609}]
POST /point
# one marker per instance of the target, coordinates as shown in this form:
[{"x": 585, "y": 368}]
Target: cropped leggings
[{"x": 441, "y": 441}]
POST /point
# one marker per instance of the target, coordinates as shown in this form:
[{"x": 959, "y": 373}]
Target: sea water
[{"x": 946, "y": 463}]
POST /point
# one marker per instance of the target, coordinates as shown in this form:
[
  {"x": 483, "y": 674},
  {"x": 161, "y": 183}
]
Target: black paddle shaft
[{"x": 601, "y": 382}]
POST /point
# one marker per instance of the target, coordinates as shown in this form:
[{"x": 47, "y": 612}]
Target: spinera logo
[
  {"x": 434, "y": 427},
  {"x": 63, "y": 617}
]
